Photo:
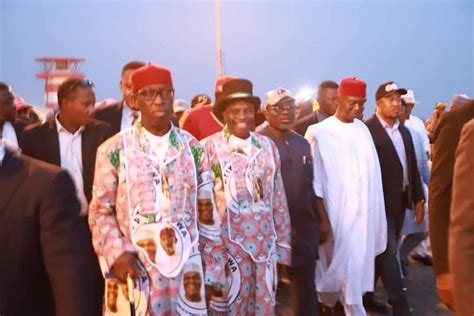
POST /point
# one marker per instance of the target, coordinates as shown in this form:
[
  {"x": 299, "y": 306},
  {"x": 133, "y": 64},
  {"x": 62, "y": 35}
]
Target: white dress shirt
[
  {"x": 159, "y": 144},
  {"x": 9, "y": 133},
  {"x": 244, "y": 144},
  {"x": 417, "y": 124},
  {"x": 70, "y": 149},
  {"x": 397, "y": 141},
  {"x": 128, "y": 116}
]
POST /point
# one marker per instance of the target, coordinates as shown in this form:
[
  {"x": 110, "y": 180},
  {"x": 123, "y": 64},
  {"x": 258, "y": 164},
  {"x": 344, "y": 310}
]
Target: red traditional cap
[
  {"x": 221, "y": 81},
  {"x": 352, "y": 87},
  {"x": 150, "y": 74}
]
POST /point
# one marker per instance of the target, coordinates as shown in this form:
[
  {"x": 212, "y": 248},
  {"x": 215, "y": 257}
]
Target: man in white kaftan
[{"x": 348, "y": 184}]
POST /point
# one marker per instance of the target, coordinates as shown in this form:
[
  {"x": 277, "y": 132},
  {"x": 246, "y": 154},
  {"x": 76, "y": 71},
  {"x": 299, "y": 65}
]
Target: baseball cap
[{"x": 388, "y": 88}]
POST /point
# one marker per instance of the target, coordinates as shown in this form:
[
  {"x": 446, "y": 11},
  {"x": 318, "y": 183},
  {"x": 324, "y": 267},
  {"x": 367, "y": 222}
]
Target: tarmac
[{"x": 421, "y": 294}]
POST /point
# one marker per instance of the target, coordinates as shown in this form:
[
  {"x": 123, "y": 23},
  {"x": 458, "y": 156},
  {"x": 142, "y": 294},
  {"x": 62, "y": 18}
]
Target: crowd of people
[{"x": 205, "y": 207}]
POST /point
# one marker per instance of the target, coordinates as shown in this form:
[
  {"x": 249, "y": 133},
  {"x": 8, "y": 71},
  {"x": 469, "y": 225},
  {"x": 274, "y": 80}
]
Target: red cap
[
  {"x": 221, "y": 81},
  {"x": 150, "y": 74},
  {"x": 352, "y": 87},
  {"x": 20, "y": 103}
]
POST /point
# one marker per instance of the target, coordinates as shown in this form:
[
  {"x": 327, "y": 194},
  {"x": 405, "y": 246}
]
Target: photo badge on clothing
[
  {"x": 192, "y": 297},
  {"x": 234, "y": 278},
  {"x": 117, "y": 302},
  {"x": 163, "y": 246}
]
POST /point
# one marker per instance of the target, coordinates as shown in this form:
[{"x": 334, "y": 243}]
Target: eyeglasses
[
  {"x": 150, "y": 95},
  {"x": 280, "y": 107}
]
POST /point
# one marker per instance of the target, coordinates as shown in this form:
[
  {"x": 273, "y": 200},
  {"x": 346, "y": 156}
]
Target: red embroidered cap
[
  {"x": 150, "y": 74},
  {"x": 352, "y": 87}
]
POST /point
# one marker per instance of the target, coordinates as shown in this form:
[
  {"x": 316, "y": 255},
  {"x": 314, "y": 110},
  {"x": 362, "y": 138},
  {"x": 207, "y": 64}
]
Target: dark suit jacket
[
  {"x": 19, "y": 127},
  {"x": 302, "y": 124},
  {"x": 392, "y": 170},
  {"x": 45, "y": 266},
  {"x": 111, "y": 114},
  {"x": 41, "y": 141},
  {"x": 297, "y": 175},
  {"x": 446, "y": 140},
  {"x": 461, "y": 229}
]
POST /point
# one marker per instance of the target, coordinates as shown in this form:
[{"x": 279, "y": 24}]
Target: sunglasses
[{"x": 84, "y": 83}]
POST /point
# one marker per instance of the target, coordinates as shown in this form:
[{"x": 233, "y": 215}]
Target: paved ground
[{"x": 421, "y": 294}]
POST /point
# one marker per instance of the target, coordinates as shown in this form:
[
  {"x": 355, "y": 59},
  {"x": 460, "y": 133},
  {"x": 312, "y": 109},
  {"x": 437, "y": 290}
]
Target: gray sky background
[{"x": 424, "y": 45}]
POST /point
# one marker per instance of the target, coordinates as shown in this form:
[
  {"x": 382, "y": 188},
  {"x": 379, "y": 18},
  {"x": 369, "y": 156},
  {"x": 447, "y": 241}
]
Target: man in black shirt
[{"x": 297, "y": 174}]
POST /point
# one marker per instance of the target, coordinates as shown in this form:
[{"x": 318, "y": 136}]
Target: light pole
[{"x": 218, "y": 39}]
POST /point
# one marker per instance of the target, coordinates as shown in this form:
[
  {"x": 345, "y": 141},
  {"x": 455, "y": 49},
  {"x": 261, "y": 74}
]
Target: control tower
[{"x": 55, "y": 71}]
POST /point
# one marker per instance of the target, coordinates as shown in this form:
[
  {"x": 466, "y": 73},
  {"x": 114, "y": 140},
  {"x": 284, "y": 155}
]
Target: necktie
[{"x": 134, "y": 117}]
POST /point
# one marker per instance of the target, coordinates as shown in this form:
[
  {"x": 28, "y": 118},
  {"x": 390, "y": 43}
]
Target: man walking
[
  {"x": 401, "y": 187},
  {"x": 297, "y": 173},
  {"x": 348, "y": 184},
  {"x": 251, "y": 201},
  {"x": 149, "y": 180}
]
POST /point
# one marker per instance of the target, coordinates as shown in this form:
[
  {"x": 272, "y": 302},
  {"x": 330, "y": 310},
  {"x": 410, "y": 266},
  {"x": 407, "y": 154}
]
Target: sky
[{"x": 425, "y": 45}]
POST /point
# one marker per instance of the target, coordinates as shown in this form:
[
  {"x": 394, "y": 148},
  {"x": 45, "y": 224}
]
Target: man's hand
[
  {"x": 324, "y": 231},
  {"x": 419, "y": 212},
  {"x": 127, "y": 264},
  {"x": 444, "y": 283}
]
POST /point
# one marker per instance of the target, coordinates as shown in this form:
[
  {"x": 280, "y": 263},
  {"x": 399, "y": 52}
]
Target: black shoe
[
  {"x": 325, "y": 310},
  {"x": 426, "y": 260},
  {"x": 339, "y": 309},
  {"x": 374, "y": 306},
  {"x": 403, "y": 310}
]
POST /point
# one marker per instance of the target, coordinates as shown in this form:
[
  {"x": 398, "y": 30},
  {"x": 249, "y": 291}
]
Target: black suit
[
  {"x": 19, "y": 127},
  {"x": 41, "y": 141},
  {"x": 302, "y": 124},
  {"x": 396, "y": 201},
  {"x": 111, "y": 114},
  {"x": 45, "y": 245}
]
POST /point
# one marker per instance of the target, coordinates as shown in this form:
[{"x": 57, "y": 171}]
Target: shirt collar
[
  {"x": 386, "y": 125},
  {"x": 157, "y": 139},
  {"x": 60, "y": 128},
  {"x": 127, "y": 110},
  {"x": 4, "y": 145}
]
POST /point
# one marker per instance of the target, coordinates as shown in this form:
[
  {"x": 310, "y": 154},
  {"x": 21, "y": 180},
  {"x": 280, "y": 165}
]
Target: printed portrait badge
[
  {"x": 117, "y": 299},
  {"x": 192, "y": 297},
  {"x": 207, "y": 215},
  {"x": 165, "y": 246},
  {"x": 233, "y": 278}
]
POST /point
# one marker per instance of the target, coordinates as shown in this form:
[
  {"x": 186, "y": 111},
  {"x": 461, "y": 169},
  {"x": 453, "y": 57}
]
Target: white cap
[
  {"x": 276, "y": 95},
  {"x": 180, "y": 105},
  {"x": 409, "y": 97},
  {"x": 191, "y": 267},
  {"x": 145, "y": 232}
]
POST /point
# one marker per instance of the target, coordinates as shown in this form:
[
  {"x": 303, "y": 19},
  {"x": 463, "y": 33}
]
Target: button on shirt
[
  {"x": 70, "y": 148},
  {"x": 128, "y": 117},
  {"x": 397, "y": 141}
]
